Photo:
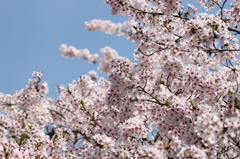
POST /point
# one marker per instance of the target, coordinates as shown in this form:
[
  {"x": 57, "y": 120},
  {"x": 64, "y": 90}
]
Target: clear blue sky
[{"x": 32, "y": 31}]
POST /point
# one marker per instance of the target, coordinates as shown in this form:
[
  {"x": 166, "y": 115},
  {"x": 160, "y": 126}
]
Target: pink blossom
[{"x": 178, "y": 98}]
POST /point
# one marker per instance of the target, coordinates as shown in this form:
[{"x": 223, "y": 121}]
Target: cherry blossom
[{"x": 178, "y": 98}]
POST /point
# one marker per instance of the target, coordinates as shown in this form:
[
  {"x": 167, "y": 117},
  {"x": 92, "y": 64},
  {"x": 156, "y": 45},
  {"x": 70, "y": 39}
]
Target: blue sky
[{"x": 32, "y": 31}]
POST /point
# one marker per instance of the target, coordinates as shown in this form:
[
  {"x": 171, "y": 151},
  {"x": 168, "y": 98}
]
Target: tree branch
[{"x": 178, "y": 16}]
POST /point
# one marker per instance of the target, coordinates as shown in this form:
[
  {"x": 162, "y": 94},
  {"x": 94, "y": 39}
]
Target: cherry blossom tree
[{"x": 179, "y": 98}]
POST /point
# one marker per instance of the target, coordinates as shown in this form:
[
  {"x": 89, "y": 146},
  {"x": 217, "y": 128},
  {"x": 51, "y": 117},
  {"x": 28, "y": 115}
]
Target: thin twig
[
  {"x": 61, "y": 107},
  {"x": 57, "y": 113}
]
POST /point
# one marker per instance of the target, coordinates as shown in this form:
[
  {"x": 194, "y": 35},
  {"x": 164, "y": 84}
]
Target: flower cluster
[
  {"x": 179, "y": 98},
  {"x": 71, "y": 51}
]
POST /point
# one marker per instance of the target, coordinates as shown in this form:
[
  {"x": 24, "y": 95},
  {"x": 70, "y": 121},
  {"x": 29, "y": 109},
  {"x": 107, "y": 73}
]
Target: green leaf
[
  {"x": 230, "y": 92},
  {"x": 236, "y": 100},
  {"x": 216, "y": 26},
  {"x": 134, "y": 27},
  {"x": 4, "y": 149},
  {"x": 165, "y": 25},
  {"x": 168, "y": 104},
  {"x": 206, "y": 147},
  {"x": 55, "y": 137},
  {"x": 23, "y": 137},
  {"x": 162, "y": 43},
  {"x": 198, "y": 36},
  {"x": 192, "y": 104},
  {"x": 190, "y": 154},
  {"x": 82, "y": 102},
  {"x": 38, "y": 144}
]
